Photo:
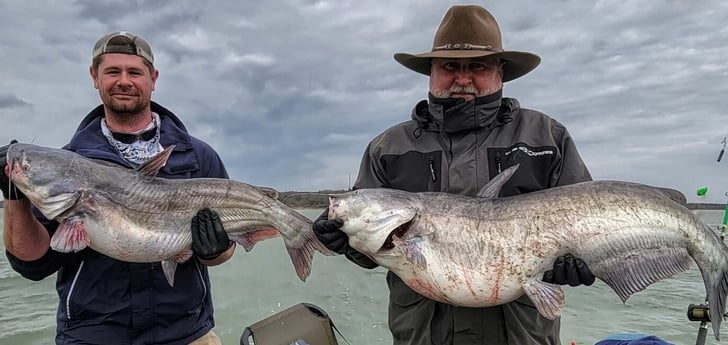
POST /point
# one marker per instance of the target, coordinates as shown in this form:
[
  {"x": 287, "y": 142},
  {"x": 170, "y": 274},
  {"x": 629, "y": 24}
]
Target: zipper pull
[
  {"x": 432, "y": 171},
  {"x": 498, "y": 161}
]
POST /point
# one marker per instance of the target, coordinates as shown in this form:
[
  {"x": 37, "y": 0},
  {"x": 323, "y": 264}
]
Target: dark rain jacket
[
  {"x": 106, "y": 301},
  {"x": 460, "y": 154}
]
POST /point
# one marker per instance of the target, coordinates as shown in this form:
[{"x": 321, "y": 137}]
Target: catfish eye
[{"x": 26, "y": 167}]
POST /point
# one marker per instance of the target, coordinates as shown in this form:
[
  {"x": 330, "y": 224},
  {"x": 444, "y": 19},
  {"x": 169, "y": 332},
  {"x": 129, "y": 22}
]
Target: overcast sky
[{"x": 290, "y": 92}]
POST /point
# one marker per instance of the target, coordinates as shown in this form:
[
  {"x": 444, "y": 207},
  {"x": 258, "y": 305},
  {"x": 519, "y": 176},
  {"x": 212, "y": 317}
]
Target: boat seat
[{"x": 300, "y": 324}]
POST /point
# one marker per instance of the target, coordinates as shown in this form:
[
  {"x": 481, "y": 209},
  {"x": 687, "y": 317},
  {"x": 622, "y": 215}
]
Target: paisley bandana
[{"x": 140, "y": 150}]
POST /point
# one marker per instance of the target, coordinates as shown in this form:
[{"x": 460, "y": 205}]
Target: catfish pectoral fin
[{"x": 70, "y": 236}]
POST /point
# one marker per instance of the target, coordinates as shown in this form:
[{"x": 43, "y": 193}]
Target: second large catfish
[{"x": 479, "y": 252}]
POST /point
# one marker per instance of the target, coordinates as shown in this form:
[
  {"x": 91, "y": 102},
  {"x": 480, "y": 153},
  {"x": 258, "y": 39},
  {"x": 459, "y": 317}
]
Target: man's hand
[
  {"x": 569, "y": 270},
  {"x": 329, "y": 233},
  {"x": 10, "y": 192},
  {"x": 209, "y": 238}
]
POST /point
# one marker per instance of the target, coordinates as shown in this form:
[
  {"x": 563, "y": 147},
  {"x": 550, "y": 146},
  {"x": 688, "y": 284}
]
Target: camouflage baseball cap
[{"x": 123, "y": 42}]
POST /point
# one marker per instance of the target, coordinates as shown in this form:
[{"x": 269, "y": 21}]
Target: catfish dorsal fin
[
  {"x": 493, "y": 187},
  {"x": 152, "y": 165},
  {"x": 674, "y": 194}
]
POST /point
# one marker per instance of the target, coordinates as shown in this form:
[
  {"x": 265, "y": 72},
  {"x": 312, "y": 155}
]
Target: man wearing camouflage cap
[{"x": 103, "y": 300}]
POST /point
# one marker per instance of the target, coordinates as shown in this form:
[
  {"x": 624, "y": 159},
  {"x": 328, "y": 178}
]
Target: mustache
[
  {"x": 471, "y": 89},
  {"x": 126, "y": 90},
  {"x": 464, "y": 89},
  {"x": 445, "y": 93}
]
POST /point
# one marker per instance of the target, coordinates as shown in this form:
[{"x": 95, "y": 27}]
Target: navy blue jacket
[{"x": 106, "y": 301}]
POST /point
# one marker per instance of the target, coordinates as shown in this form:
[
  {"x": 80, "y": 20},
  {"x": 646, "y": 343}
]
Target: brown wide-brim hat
[{"x": 470, "y": 32}]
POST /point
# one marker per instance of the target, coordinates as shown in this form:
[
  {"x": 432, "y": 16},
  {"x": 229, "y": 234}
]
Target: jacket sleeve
[
  {"x": 370, "y": 172},
  {"x": 210, "y": 163},
  {"x": 46, "y": 265},
  {"x": 369, "y": 177},
  {"x": 570, "y": 168},
  {"x": 217, "y": 168}
]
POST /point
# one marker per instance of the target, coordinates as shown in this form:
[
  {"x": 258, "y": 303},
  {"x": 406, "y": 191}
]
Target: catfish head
[
  {"x": 46, "y": 176},
  {"x": 373, "y": 218}
]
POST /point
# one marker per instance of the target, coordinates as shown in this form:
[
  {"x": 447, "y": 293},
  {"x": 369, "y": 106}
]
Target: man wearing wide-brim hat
[{"x": 457, "y": 140}]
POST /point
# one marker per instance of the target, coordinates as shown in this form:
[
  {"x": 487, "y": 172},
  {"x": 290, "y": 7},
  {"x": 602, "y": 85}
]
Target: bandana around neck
[{"x": 139, "y": 150}]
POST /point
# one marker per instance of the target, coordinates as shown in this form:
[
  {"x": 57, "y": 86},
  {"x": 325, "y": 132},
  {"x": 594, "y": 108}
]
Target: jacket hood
[{"x": 174, "y": 131}]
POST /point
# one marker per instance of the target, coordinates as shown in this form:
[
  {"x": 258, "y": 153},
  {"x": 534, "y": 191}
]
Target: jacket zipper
[
  {"x": 432, "y": 170},
  {"x": 70, "y": 291},
  {"x": 498, "y": 161}
]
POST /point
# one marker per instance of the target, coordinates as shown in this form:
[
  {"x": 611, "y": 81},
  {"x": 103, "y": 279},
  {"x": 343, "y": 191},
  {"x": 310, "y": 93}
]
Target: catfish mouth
[
  {"x": 14, "y": 171},
  {"x": 398, "y": 233}
]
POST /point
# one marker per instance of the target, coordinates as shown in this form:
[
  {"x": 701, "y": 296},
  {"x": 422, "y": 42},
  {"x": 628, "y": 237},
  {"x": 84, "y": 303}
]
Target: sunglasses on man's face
[{"x": 127, "y": 138}]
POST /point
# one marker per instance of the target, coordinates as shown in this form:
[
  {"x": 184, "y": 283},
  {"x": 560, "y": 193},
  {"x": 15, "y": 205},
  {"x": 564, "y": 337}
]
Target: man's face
[
  {"x": 125, "y": 83},
  {"x": 465, "y": 78}
]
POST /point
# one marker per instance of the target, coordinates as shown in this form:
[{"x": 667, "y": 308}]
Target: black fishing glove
[
  {"x": 10, "y": 192},
  {"x": 209, "y": 238},
  {"x": 328, "y": 232},
  {"x": 569, "y": 270}
]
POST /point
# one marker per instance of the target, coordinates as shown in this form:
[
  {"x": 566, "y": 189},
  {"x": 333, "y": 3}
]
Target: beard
[
  {"x": 126, "y": 110},
  {"x": 446, "y": 93}
]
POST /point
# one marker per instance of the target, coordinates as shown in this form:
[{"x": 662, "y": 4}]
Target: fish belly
[{"x": 133, "y": 242}]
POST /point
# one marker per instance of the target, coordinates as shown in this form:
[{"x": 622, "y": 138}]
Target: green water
[{"x": 256, "y": 284}]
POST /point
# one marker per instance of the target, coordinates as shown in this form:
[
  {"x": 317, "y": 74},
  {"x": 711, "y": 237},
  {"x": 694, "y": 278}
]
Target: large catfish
[
  {"x": 132, "y": 216},
  {"x": 485, "y": 251}
]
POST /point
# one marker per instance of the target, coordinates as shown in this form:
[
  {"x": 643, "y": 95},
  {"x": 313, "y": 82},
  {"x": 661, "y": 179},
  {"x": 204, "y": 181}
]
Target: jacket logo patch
[{"x": 529, "y": 152}]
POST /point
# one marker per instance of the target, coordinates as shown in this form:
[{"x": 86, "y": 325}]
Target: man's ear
[
  {"x": 155, "y": 75},
  {"x": 94, "y": 76}
]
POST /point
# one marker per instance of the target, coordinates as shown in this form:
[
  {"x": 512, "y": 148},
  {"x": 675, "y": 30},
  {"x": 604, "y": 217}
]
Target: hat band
[{"x": 466, "y": 46}]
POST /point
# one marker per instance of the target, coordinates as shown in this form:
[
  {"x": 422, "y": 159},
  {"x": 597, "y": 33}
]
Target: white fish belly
[
  {"x": 133, "y": 243},
  {"x": 473, "y": 283}
]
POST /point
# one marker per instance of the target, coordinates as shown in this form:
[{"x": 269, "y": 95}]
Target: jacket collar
[
  {"x": 457, "y": 115},
  {"x": 90, "y": 141}
]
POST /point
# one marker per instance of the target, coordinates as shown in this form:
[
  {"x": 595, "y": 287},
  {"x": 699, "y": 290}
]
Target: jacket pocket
[
  {"x": 69, "y": 305},
  {"x": 189, "y": 295},
  {"x": 534, "y": 169},
  {"x": 201, "y": 279},
  {"x": 413, "y": 171},
  {"x": 94, "y": 292}
]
